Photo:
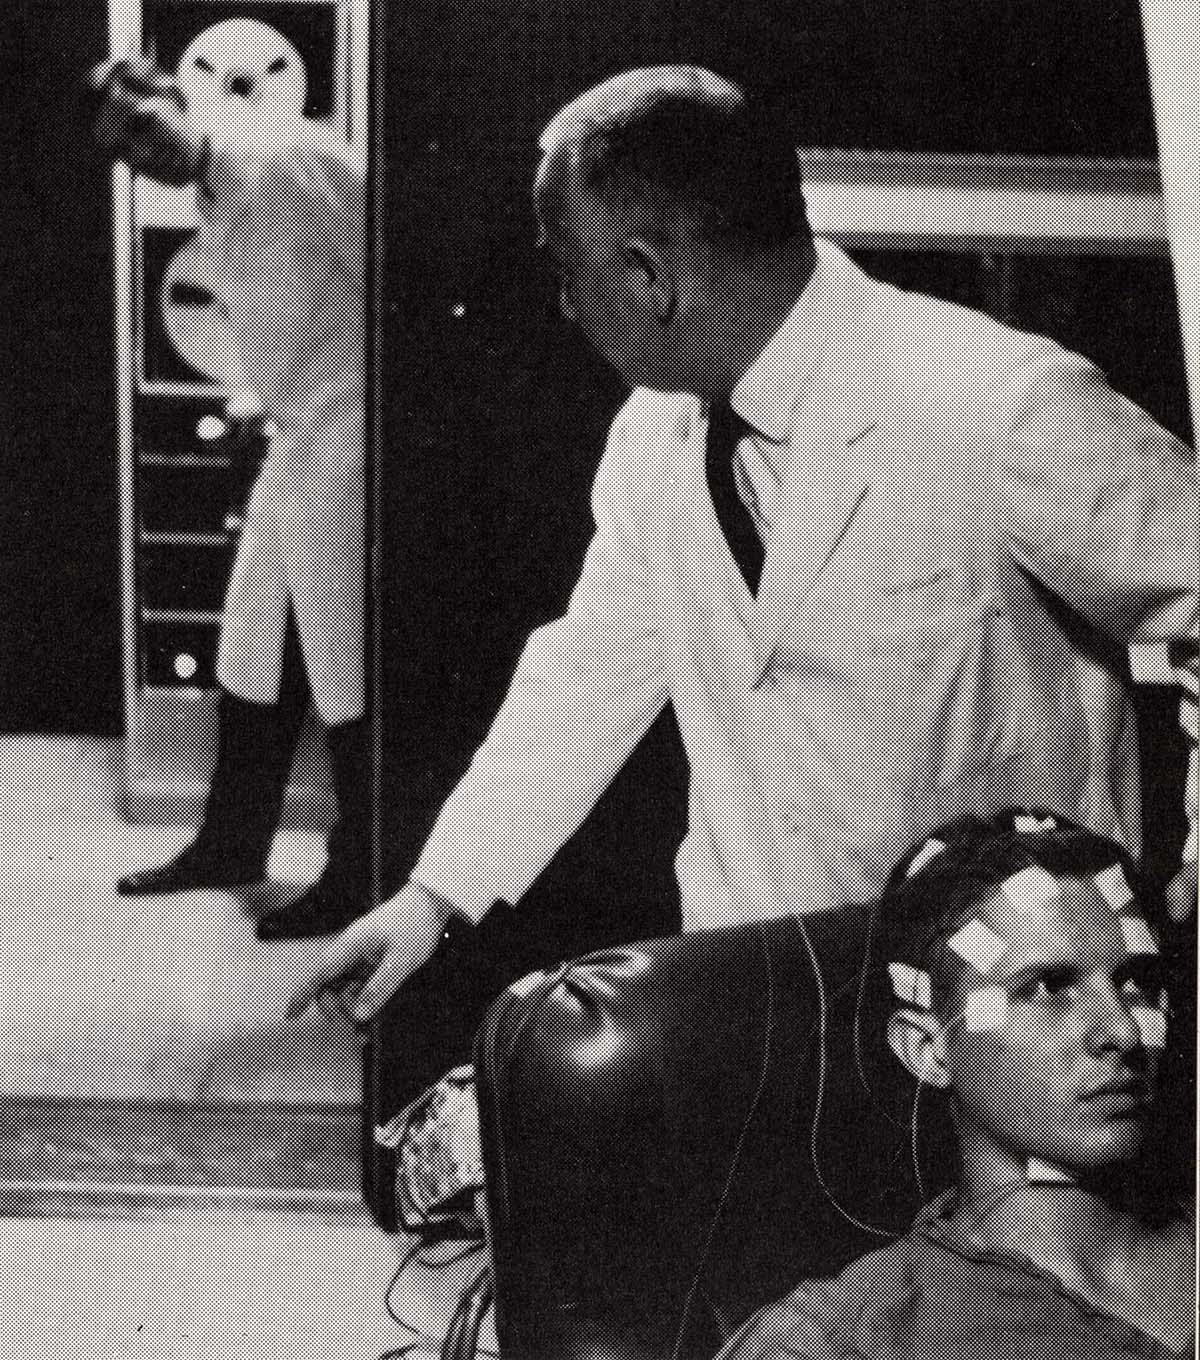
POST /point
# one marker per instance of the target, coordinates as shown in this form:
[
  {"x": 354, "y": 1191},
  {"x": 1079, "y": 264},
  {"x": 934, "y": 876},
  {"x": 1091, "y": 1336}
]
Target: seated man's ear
[{"x": 916, "y": 1037}]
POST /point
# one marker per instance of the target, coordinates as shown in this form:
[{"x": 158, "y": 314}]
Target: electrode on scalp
[
  {"x": 978, "y": 945},
  {"x": 1030, "y": 887},
  {"x": 1138, "y": 938},
  {"x": 1033, "y": 826},
  {"x": 1114, "y": 887},
  {"x": 986, "y": 1008},
  {"x": 911, "y": 985},
  {"x": 1152, "y": 1025}
]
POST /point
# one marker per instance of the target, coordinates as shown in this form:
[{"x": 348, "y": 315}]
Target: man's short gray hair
[{"x": 684, "y": 140}]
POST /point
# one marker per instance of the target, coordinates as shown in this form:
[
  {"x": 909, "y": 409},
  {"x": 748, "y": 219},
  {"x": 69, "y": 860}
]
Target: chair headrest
[{"x": 647, "y": 1118}]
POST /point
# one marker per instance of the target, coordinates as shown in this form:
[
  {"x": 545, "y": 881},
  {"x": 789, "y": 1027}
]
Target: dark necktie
[{"x": 725, "y": 428}]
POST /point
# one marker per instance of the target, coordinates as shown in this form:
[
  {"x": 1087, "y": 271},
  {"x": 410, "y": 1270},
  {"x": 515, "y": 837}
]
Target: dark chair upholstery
[{"x": 647, "y": 1118}]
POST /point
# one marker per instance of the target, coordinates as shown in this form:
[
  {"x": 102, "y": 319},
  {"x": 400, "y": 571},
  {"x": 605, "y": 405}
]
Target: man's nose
[{"x": 1113, "y": 1024}]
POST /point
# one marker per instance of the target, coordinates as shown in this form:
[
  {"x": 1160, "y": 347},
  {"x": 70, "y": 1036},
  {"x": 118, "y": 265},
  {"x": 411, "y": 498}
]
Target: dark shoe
[
  {"x": 255, "y": 744},
  {"x": 324, "y": 909},
  {"x": 343, "y": 892},
  {"x": 190, "y": 869}
]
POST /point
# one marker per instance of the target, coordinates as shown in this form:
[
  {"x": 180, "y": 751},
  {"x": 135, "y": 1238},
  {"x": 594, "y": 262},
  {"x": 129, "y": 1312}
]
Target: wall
[{"x": 60, "y": 621}]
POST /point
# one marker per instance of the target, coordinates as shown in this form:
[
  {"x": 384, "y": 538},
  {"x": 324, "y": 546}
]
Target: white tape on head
[
  {"x": 1033, "y": 826},
  {"x": 1138, "y": 938},
  {"x": 986, "y": 1008},
  {"x": 1030, "y": 887},
  {"x": 1114, "y": 887},
  {"x": 1038, "y": 1172},
  {"x": 911, "y": 985},
  {"x": 1152, "y": 1025},
  {"x": 930, "y": 850},
  {"x": 978, "y": 944}
]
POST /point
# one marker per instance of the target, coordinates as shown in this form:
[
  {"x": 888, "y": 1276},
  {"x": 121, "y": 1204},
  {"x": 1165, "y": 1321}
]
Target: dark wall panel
[{"x": 60, "y": 630}]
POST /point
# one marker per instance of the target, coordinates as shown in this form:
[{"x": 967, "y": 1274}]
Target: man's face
[
  {"x": 602, "y": 288},
  {"x": 1065, "y": 1075}
]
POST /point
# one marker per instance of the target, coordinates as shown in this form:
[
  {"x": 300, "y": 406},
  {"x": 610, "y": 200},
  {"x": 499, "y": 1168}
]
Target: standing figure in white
[{"x": 282, "y": 249}]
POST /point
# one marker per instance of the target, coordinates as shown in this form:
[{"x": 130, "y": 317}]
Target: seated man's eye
[{"x": 1047, "y": 986}]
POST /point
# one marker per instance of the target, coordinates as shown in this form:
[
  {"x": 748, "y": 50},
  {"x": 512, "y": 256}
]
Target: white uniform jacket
[
  {"x": 283, "y": 239},
  {"x": 945, "y": 484}
]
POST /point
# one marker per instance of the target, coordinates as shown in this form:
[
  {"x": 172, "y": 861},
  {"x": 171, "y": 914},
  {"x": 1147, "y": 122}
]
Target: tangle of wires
[
  {"x": 461, "y": 1340},
  {"x": 446, "y": 1227}
]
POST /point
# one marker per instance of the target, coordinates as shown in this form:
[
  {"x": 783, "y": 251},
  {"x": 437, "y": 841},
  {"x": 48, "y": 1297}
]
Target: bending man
[{"x": 283, "y": 230}]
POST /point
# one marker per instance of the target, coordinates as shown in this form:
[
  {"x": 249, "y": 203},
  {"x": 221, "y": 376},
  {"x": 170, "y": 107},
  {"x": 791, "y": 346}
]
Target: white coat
[
  {"x": 284, "y": 231},
  {"x": 947, "y": 484}
]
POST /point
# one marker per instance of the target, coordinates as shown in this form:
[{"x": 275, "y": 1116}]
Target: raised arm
[{"x": 282, "y": 240}]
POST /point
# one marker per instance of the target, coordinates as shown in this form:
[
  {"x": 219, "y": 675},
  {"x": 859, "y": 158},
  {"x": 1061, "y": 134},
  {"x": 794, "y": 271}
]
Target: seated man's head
[
  {"x": 657, "y": 190},
  {"x": 1027, "y": 985}
]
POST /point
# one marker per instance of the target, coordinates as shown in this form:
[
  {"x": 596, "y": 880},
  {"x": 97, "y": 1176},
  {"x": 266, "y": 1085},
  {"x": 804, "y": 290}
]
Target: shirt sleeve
[
  {"x": 1101, "y": 505},
  {"x": 586, "y": 688},
  {"x": 787, "y": 1330}
]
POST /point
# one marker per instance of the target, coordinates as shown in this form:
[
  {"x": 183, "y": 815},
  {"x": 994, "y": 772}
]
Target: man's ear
[
  {"x": 918, "y": 1040},
  {"x": 649, "y": 261}
]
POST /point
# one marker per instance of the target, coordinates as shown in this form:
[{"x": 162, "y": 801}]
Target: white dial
[
  {"x": 196, "y": 323},
  {"x": 244, "y": 62}
]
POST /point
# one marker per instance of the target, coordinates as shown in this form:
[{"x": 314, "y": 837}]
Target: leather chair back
[{"x": 648, "y": 1124}]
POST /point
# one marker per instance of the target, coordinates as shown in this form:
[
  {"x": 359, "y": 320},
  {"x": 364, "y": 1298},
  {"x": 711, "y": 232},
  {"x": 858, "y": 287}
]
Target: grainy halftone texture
[
  {"x": 286, "y": 233},
  {"x": 963, "y": 525},
  {"x": 904, "y": 656},
  {"x": 936, "y": 1293}
]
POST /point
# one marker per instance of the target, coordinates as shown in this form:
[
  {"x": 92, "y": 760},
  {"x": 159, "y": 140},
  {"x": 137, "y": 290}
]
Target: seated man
[{"x": 1026, "y": 988}]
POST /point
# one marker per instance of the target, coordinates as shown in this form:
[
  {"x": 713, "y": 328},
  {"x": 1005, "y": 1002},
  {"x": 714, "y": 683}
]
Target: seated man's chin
[{"x": 1119, "y": 1141}]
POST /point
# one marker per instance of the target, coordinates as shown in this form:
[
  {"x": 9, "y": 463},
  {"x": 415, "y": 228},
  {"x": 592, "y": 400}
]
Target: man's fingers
[
  {"x": 383, "y": 982},
  {"x": 343, "y": 957},
  {"x": 390, "y": 943},
  {"x": 142, "y": 75}
]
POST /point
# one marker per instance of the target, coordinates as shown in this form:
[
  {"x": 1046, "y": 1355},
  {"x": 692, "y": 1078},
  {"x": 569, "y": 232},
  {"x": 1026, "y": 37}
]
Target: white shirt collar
[{"x": 769, "y": 391}]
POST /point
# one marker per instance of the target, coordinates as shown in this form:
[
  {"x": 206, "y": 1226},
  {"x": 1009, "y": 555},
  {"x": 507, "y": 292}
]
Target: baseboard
[{"x": 83, "y": 1157}]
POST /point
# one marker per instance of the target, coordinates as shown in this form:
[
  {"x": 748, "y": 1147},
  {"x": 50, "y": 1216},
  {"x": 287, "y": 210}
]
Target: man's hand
[
  {"x": 386, "y": 946},
  {"x": 141, "y": 118}
]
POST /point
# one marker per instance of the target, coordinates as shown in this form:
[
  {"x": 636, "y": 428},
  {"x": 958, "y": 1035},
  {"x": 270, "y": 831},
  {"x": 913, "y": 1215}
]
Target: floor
[
  {"x": 179, "y": 1170},
  {"x": 114, "y": 997},
  {"x": 198, "y": 1282}
]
